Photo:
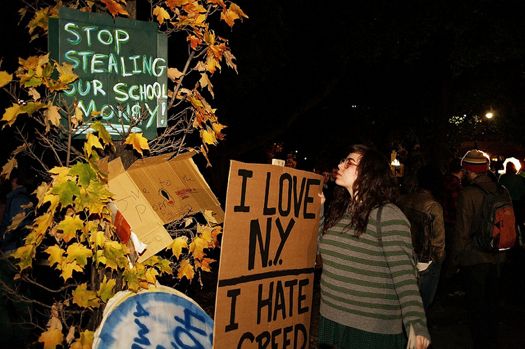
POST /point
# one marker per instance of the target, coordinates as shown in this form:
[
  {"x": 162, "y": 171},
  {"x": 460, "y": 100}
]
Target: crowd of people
[{"x": 386, "y": 248}]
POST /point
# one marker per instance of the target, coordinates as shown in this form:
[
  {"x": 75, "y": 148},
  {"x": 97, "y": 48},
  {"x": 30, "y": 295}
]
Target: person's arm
[
  {"x": 399, "y": 255},
  {"x": 437, "y": 240}
]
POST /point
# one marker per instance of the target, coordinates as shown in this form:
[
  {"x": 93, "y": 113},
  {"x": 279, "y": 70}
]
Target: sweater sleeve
[
  {"x": 397, "y": 245},
  {"x": 437, "y": 240}
]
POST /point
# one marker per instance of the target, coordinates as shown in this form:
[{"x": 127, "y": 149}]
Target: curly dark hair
[{"x": 373, "y": 187}]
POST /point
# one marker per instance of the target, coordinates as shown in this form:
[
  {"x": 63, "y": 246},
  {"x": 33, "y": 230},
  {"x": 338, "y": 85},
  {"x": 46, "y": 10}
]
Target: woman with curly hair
[{"x": 369, "y": 292}]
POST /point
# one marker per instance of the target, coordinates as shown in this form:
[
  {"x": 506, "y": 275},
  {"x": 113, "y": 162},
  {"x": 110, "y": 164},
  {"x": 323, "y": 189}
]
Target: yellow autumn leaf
[
  {"x": 97, "y": 239},
  {"x": 39, "y": 20},
  {"x": 161, "y": 14},
  {"x": 204, "y": 264},
  {"x": 68, "y": 268},
  {"x": 151, "y": 275},
  {"x": 106, "y": 289},
  {"x": 12, "y": 113},
  {"x": 41, "y": 191},
  {"x": 92, "y": 141},
  {"x": 42, "y": 223},
  {"x": 66, "y": 74},
  {"x": 185, "y": 270},
  {"x": 132, "y": 279},
  {"x": 85, "y": 341},
  {"x": 103, "y": 134},
  {"x": 17, "y": 219},
  {"x": 161, "y": 264},
  {"x": 208, "y": 136},
  {"x": 138, "y": 142},
  {"x": 69, "y": 226},
  {"x": 51, "y": 338},
  {"x": 205, "y": 234},
  {"x": 43, "y": 65},
  {"x": 178, "y": 244},
  {"x": 54, "y": 320},
  {"x": 229, "y": 57},
  {"x": 197, "y": 247},
  {"x": 78, "y": 253},
  {"x": 60, "y": 174},
  {"x": 115, "y": 8},
  {"x": 229, "y": 16},
  {"x": 174, "y": 74},
  {"x": 212, "y": 63},
  {"x": 25, "y": 255},
  {"x": 188, "y": 221},
  {"x": 70, "y": 334},
  {"x": 52, "y": 115},
  {"x": 194, "y": 41},
  {"x": 85, "y": 298},
  {"x": 114, "y": 254},
  {"x": 32, "y": 107},
  {"x": 5, "y": 78},
  {"x": 217, "y": 128},
  {"x": 77, "y": 117},
  {"x": 9, "y": 166},
  {"x": 55, "y": 253},
  {"x": 204, "y": 81},
  {"x": 208, "y": 215},
  {"x": 94, "y": 197},
  {"x": 34, "y": 94}
]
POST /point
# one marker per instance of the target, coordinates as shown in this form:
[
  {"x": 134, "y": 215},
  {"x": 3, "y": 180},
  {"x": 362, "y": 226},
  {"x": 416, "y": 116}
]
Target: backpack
[
  {"x": 421, "y": 231},
  {"x": 498, "y": 227}
]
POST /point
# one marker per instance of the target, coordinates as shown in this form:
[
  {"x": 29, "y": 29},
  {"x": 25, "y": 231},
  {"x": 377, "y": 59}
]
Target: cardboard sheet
[
  {"x": 266, "y": 271},
  {"x": 156, "y": 191}
]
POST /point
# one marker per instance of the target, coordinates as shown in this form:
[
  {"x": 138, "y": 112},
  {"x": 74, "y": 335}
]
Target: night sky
[{"x": 319, "y": 76}]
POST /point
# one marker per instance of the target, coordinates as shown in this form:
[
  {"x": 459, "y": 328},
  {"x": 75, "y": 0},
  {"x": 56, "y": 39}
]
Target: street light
[{"x": 489, "y": 115}]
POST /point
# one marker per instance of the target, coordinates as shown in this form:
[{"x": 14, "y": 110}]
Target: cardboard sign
[
  {"x": 266, "y": 272},
  {"x": 156, "y": 191},
  {"x": 174, "y": 187},
  {"x": 158, "y": 318}
]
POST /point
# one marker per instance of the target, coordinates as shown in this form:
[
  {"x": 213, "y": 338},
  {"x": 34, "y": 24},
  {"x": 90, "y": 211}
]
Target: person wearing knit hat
[
  {"x": 479, "y": 269},
  {"x": 475, "y": 161}
]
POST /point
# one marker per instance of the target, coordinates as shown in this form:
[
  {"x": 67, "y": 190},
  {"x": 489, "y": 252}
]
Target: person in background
[
  {"x": 516, "y": 187},
  {"x": 432, "y": 250},
  {"x": 479, "y": 269},
  {"x": 328, "y": 186},
  {"x": 452, "y": 186},
  {"x": 17, "y": 201},
  {"x": 369, "y": 291},
  {"x": 15, "y": 315}
]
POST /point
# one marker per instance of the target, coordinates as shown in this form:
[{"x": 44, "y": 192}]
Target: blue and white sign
[{"x": 158, "y": 319}]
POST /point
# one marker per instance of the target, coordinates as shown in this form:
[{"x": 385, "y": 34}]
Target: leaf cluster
[{"x": 73, "y": 232}]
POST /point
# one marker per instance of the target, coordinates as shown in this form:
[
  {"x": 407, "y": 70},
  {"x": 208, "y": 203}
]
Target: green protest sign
[{"x": 122, "y": 69}]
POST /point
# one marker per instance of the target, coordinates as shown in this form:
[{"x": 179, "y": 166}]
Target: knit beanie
[{"x": 475, "y": 161}]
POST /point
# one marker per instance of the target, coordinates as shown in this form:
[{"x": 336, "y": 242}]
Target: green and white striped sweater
[{"x": 357, "y": 289}]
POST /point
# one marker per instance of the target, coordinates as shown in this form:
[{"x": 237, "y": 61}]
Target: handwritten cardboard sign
[
  {"x": 159, "y": 190},
  {"x": 264, "y": 293},
  {"x": 159, "y": 318},
  {"x": 122, "y": 67}
]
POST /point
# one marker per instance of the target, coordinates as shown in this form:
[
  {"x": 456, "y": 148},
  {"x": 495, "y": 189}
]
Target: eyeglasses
[{"x": 347, "y": 162}]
